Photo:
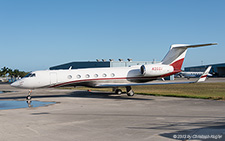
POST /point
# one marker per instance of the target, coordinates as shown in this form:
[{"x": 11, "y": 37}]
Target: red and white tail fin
[
  {"x": 204, "y": 75},
  {"x": 176, "y": 54}
]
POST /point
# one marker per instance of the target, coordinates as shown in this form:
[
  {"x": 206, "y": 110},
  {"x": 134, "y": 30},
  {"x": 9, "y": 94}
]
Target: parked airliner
[{"x": 114, "y": 77}]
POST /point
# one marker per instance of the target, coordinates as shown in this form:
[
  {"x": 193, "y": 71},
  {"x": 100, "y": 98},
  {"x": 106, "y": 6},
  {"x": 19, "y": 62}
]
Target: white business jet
[
  {"x": 189, "y": 75},
  {"x": 114, "y": 77}
]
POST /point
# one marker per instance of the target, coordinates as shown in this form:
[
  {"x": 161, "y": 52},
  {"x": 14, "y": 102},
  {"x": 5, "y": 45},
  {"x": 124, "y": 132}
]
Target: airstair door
[{"x": 53, "y": 78}]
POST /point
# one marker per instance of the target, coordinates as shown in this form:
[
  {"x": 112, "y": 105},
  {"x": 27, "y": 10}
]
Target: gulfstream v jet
[{"x": 114, "y": 77}]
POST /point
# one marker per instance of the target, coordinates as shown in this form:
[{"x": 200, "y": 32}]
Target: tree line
[{"x": 5, "y": 71}]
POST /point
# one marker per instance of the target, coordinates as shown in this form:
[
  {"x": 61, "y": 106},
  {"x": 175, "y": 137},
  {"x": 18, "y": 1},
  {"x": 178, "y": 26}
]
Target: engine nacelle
[{"x": 156, "y": 70}]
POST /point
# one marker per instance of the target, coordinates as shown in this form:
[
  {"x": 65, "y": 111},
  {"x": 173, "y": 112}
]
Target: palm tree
[
  {"x": 10, "y": 73},
  {"x": 16, "y": 73},
  {"x": 4, "y": 71},
  {"x": 1, "y": 74},
  {"x": 22, "y": 73}
]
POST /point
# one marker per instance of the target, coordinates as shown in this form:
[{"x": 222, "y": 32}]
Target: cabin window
[
  {"x": 69, "y": 76},
  {"x": 104, "y": 75},
  {"x": 112, "y": 74},
  {"x": 87, "y": 75},
  {"x": 96, "y": 75},
  {"x": 78, "y": 76}
]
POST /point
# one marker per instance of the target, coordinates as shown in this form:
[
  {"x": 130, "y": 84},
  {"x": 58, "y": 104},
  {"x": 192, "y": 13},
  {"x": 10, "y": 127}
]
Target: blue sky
[{"x": 36, "y": 35}]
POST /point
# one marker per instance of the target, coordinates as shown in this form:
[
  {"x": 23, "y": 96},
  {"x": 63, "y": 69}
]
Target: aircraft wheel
[
  {"x": 130, "y": 93},
  {"x": 28, "y": 97},
  {"x": 118, "y": 91}
]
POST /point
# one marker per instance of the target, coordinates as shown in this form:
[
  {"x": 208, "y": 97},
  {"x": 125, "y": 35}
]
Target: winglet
[{"x": 204, "y": 75}]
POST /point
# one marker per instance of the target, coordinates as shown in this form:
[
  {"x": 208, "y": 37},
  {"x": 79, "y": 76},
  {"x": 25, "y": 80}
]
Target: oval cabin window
[
  {"x": 112, "y": 74},
  {"x": 78, "y": 76},
  {"x": 87, "y": 75},
  {"x": 69, "y": 76}
]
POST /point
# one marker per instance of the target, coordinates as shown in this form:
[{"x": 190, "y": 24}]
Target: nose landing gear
[{"x": 29, "y": 95}]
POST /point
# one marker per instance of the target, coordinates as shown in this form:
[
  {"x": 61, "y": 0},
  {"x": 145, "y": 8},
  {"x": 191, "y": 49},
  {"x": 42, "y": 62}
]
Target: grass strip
[{"x": 215, "y": 91}]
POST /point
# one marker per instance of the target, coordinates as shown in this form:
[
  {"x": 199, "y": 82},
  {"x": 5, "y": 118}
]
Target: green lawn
[{"x": 197, "y": 90}]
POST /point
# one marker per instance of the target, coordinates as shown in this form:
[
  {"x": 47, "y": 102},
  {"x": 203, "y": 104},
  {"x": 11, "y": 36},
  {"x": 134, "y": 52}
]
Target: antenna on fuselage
[{"x": 70, "y": 67}]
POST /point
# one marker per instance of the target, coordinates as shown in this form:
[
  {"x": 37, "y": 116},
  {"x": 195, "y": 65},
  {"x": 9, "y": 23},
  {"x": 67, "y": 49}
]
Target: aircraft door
[{"x": 53, "y": 78}]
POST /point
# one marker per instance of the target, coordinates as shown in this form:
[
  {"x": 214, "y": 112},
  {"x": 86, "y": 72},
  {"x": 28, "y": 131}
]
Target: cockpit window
[
  {"x": 30, "y": 75},
  {"x": 33, "y": 75}
]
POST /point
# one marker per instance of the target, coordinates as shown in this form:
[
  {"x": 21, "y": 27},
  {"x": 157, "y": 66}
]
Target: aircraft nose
[{"x": 15, "y": 84}]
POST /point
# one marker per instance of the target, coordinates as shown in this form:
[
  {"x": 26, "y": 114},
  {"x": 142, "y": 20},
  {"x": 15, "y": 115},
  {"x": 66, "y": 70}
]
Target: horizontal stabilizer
[
  {"x": 192, "y": 46},
  {"x": 204, "y": 75}
]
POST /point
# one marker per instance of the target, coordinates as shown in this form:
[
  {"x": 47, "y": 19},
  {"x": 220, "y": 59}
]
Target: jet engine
[{"x": 156, "y": 70}]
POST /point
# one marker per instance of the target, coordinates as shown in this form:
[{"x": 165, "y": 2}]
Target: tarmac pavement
[{"x": 98, "y": 116}]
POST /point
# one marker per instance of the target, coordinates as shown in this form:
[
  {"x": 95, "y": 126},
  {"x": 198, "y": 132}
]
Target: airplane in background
[
  {"x": 189, "y": 75},
  {"x": 114, "y": 77}
]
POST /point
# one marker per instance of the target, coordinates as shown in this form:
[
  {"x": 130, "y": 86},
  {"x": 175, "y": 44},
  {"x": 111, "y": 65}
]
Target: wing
[{"x": 202, "y": 78}]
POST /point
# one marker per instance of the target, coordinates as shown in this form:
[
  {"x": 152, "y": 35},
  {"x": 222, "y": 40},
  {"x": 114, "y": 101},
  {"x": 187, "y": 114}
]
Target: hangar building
[
  {"x": 100, "y": 64},
  {"x": 217, "y": 69}
]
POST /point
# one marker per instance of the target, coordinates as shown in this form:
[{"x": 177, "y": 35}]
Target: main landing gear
[{"x": 129, "y": 91}]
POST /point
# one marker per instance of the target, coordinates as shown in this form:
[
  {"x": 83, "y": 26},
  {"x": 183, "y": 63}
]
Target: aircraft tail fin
[
  {"x": 177, "y": 52},
  {"x": 204, "y": 75}
]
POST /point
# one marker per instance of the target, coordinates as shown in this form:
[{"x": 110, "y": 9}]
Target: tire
[
  {"x": 130, "y": 93},
  {"x": 118, "y": 91},
  {"x": 28, "y": 97}
]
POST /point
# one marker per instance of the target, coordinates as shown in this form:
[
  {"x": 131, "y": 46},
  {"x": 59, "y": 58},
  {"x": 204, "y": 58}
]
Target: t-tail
[{"x": 175, "y": 56}]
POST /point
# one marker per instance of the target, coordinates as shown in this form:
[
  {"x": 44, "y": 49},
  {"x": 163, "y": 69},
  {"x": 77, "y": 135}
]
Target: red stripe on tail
[{"x": 177, "y": 65}]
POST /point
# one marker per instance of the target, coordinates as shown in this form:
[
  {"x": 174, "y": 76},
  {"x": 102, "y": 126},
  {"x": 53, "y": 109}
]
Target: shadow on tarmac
[
  {"x": 80, "y": 94},
  {"x": 210, "y": 130},
  {"x": 215, "y": 130}
]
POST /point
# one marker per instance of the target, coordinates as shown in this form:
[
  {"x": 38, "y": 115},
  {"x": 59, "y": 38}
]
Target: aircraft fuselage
[{"x": 91, "y": 77}]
